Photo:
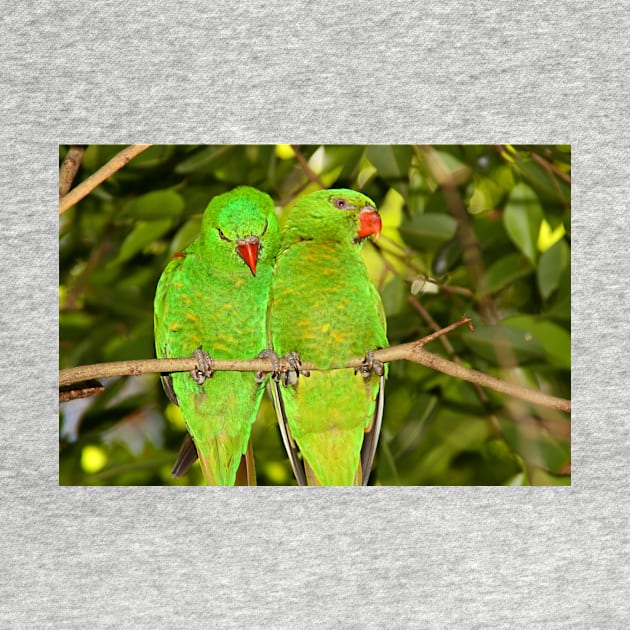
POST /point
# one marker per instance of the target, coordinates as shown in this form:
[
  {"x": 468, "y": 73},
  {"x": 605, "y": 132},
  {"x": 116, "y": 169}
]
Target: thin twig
[
  {"x": 471, "y": 247},
  {"x": 88, "y": 185},
  {"x": 310, "y": 173},
  {"x": 70, "y": 166},
  {"x": 413, "y": 351},
  {"x": 80, "y": 390},
  {"x": 79, "y": 284},
  {"x": 415, "y": 304},
  {"x": 550, "y": 167}
]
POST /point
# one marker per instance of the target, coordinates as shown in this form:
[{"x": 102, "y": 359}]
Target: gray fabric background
[{"x": 313, "y": 72}]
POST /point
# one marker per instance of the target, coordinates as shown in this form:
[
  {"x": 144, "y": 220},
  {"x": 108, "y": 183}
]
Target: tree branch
[
  {"x": 81, "y": 390},
  {"x": 413, "y": 351},
  {"x": 89, "y": 184},
  {"x": 70, "y": 166}
]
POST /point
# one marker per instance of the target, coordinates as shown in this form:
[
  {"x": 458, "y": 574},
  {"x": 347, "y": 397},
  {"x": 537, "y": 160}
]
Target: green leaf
[
  {"x": 555, "y": 340},
  {"x": 346, "y": 156},
  {"x": 197, "y": 198},
  {"x": 446, "y": 257},
  {"x": 436, "y": 203},
  {"x": 449, "y": 158},
  {"x": 391, "y": 161},
  {"x": 428, "y": 231},
  {"x": 143, "y": 233},
  {"x": 158, "y": 204},
  {"x": 522, "y": 218},
  {"x": 551, "y": 267},
  {"x": 536, "y": 447},
  {"x": 204, "y": 159},
  {"x": 503, "y": 346},
  {"x": 504, "y": 272},
  {"x": 560, "y": 306},
  {"x": 546, "y": 184},
  {"x": 152, "y": 157},
  {"x": 186, "y": 235},
  {"x": 129, "y": 349},
  {"x": 490, "y": 232},
  {"x": 394, "y": 295},
  {"x": 501, "y": 460}
]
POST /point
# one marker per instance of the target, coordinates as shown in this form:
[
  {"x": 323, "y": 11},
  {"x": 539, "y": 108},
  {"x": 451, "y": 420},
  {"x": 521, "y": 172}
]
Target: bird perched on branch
[
  {"x": 325, "y": 310},
  {"x": 212, "y": 300}
]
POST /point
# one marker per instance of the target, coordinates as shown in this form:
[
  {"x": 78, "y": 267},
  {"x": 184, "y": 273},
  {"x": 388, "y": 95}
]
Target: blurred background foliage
[{"x": 473, "y": 229}]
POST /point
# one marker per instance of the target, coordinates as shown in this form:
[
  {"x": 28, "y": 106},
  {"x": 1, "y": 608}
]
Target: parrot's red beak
[
  {"x": 369, "y": 223},
  {"x": 248, "y": 249}
]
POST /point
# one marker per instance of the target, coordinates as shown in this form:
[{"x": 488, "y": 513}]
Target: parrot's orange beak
[
  {"x": 248, "y": 249},
  {"x": 369, "y": 222}
]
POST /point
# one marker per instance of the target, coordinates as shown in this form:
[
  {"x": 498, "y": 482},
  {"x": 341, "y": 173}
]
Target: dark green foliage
[{"x": 439, "y": 205}]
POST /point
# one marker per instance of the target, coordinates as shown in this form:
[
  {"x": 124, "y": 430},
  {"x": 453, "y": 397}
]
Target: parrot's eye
[
  {"x": 340, "y": 203},
  {"x": 265, "y": 228},
  {"x": 223, "y": 236}
]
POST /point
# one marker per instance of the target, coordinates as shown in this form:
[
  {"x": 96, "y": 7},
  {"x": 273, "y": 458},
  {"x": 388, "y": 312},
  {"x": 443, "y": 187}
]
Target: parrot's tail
[
  {"x": 221, "y": 457},
  {"x": 246, "y": 473}
]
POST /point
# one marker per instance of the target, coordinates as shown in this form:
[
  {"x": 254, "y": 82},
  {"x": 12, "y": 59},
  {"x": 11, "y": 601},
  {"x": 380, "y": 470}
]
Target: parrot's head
[
  {"x": 240, "y": 227},
  {"x": 337, "y": 215}
]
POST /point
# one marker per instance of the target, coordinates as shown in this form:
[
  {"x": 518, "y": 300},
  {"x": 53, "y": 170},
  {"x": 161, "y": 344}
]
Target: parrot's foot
[
  {"x": 275, "y": 373},
  {"x": 291, "y": 376},
  {"x": 203, "y": 369},
  {"x": 286, "y": 370},
  {"x": 370, "y": 366}
]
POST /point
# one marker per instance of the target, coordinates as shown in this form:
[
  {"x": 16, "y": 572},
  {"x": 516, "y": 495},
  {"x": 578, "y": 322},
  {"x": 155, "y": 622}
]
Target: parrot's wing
[
  {"x": 289, "y": 444},
  {"x": 368, "y": 450},
  {"x": 167, "y": 384},
  {"x": 187, "y": 455},
  {"x": 161, "y": 327},
  {"x": 246, "y": 473}
]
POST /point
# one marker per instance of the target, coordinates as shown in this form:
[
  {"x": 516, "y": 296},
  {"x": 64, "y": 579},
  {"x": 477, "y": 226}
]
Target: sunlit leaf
[
  {"x": 548, "y": 236},
  {"x": 93, "y": 459}
]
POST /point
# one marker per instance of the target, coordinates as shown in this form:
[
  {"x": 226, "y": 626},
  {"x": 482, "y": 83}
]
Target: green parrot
[
  {"x": 212, "y": 298},
  {"x": 325, "y": 310}
]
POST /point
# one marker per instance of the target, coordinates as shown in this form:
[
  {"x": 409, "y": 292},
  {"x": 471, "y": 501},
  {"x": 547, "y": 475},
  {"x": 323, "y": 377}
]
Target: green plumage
[
  {"x": 325, "y": 307},
  {"x": 209, "y": 298}
]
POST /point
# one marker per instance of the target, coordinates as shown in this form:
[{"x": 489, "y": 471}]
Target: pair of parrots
[{"x": 242, "y": 287}]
